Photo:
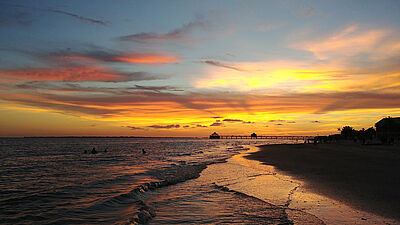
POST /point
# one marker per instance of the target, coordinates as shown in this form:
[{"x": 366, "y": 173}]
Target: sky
[{"x": 189, "y": 68}]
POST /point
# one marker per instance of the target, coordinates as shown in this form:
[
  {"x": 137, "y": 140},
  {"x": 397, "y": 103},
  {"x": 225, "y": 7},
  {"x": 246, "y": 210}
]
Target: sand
[{"x": 366, "y": 177}]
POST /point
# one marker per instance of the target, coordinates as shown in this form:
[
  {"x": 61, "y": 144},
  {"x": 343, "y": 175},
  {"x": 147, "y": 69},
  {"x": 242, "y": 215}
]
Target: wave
[
  {"x": 170, "y": 176},
  {"x": 290, "y": 216}
]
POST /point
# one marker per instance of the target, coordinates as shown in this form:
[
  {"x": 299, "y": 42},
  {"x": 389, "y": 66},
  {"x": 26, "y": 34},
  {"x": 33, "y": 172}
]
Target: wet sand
[{"x": 361, "y": 176}]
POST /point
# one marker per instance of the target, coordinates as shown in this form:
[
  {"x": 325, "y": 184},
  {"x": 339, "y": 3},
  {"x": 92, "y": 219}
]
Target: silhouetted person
[
  {"x": 94, "y": 151},
  {"x": 143, "y": 151},
  {"x": 105, "y": 150},
  {"x": 85, "y": 152}
]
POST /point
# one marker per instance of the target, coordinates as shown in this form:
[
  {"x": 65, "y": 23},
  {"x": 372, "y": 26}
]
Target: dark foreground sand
[{"x": 365, "y": 177}]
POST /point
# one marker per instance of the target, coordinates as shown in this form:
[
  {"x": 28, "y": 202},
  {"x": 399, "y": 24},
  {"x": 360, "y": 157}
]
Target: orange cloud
[
  {"x": 81, "y": 73},
  {"x": 147, "y": 58},
  {"x": 347, "y": 42},
  {"x": 106, "y": 56}
]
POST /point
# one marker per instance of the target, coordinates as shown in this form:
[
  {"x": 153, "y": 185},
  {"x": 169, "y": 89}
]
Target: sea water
[{"x": 59, "y": 181}]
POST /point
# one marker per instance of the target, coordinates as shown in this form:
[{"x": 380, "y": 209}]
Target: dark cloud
[
  {"x": 232, "y": 120},
  {"x": 165, "y": 126},
  {"x": 215, "y": 63},
  {"x": 76, "y": 16},
  {"x": 83, "y": 88},
  {"x": 237, "y": 120},
  {"x": 216, "y": 124},
  {"x": 94, "y": 55},
  {"x": 106, "y": 100},
  {"x": 217, "y": 117},
  {"x": 282, "y": 121},
  {"x": 361, "y": 100},
  {"x": 57, "y": 11},
  {"x": 180, "y": 34},
  {"x": 198, "y": 125},
  {"x": 316, "y": 121},
  {"x": 279, "y": 124},
  {"x": 155, "y": 88},
  {"x": 139, "y": 76},
  {"x": 76, "y": 74},
  {"x": 134, "y": 128}
]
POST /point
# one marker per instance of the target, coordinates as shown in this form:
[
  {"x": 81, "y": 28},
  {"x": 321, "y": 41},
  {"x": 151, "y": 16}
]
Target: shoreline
[{"x": 364, "y": 177}]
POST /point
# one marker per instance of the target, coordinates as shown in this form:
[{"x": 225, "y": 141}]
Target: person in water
[
  {"x": 143, "y": 151},
  {"x": 94, "y": 151}
]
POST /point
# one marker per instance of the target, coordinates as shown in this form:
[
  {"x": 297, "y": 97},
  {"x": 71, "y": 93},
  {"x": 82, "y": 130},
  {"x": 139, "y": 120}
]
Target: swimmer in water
[{"x": 94, "y": 151}]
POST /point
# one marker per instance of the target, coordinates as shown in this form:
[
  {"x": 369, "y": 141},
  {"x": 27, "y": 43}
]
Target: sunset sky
[{"x": 189, "y": 68}]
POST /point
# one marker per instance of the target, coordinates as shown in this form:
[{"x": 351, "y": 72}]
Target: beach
[{"x": 365, "y": 177}]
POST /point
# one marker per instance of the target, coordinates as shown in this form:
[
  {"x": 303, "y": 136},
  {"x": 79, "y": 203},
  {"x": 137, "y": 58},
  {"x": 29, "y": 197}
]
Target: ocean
[{"x": 176, "y": 181}]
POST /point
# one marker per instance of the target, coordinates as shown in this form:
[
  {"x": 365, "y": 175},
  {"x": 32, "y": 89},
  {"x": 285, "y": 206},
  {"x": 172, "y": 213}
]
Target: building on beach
[
  {"x": 388, "y": 130},
  {"x": 215, "y": 136}
]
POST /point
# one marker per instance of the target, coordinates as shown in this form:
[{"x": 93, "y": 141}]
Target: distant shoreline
[{"x": 365, "y": 177}]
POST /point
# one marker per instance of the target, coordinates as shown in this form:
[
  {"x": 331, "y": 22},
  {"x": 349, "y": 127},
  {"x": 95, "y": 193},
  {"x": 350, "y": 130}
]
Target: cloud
[
  {"x": 106, "y": 100},
  {"x": 198, "y": 125},
  {"x": 215, "y": 63},
  {"x": 347, "y": 42},
  {"x": 363, "y": 100},
  {"x": 236, "y": 120},
  {"x": 155, "y": 88},
  {"x": 216, "y": 124},
  {"x": 280, "y": 122},
  {"x": 93, "y": 56},
  {"x": 134, "y": 128},
  {"x": 62, "y": 12},
  {"x": 273, "y": 121},
  {"x": 147, "y": 59},
  {"x": 74, "y": 74},
  {"x": 289, "y": 77},
  {"x": 76, "y": 16},
  {"x": 316, "y": 121},
  {"x": 232, "y": 120},
  {"x": 165, "y": 126},
  {"x": 283, "y": 75},
  {"x": 180, "y": 34}
]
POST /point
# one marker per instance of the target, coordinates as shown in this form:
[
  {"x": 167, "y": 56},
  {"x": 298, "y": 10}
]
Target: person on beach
[
  {"x": 94, "y": 151},
  {"x": 143, "y": 151}
]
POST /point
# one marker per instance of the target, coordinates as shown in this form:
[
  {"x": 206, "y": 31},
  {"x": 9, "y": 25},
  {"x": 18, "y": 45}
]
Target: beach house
[{"x": 388, "y": 130}]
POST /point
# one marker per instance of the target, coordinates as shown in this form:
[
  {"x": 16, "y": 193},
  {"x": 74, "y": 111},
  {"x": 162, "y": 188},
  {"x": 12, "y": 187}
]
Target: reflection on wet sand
[{"x": 273, "y": 186}]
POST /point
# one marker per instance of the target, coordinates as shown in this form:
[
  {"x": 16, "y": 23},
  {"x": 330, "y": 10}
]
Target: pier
[
  {"x": 255, "y": 136},
  {"x": 266, "y": 137}
]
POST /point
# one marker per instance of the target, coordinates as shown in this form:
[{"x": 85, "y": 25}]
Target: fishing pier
[{"x": 255, "y": 136}]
